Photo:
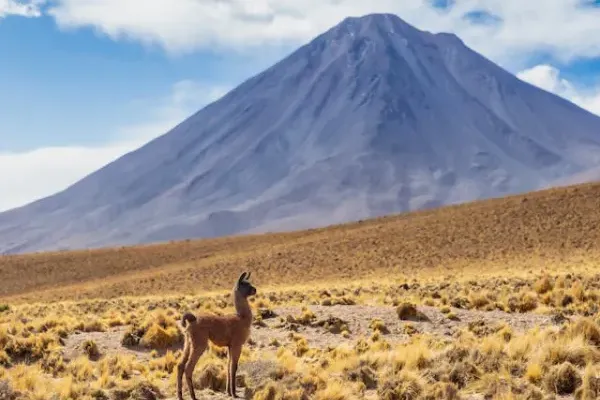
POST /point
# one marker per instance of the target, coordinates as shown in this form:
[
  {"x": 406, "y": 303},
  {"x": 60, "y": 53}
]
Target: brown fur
[{"x": 230, "y": 331}]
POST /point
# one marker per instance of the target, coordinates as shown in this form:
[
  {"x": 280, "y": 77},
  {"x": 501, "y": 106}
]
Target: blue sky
[
  {"x": 61, "y": 88},
  {"x": 84, "y": 81}
]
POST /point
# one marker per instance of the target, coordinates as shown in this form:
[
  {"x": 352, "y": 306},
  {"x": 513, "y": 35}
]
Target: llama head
[{"x": 244, "y": 287}]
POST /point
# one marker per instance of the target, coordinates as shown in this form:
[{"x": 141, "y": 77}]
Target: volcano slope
[{"x": 492, "y": 299}]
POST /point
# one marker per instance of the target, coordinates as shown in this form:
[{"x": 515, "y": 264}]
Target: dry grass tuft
[
  {"x": 212, "y": 376},
  {"x": 543, "y": 285},
  {"x": 588, "y": 329},
  {"x": 409, "y": 312},
  {"x": 157, "y": 337},
  {"x": 405, "y": 385},
  {"x": 590, "y": 388},
  {"x": 534, "y": 373},
  {"x": 464, "y": 373},
  {"x": 442, "y": 391},
  {"x": 90, "y": 348},
  {"x": 7, "y": 392},
  {"x": 563, "y": 379},
  {"x": 363, "y": 373},
  {"x": 379, "y": 326}
]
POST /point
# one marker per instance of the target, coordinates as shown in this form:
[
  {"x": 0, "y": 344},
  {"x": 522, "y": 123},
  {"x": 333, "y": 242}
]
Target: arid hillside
[
  {"x": 490, "y": 300},
  {"x": 545, "y": 229}
]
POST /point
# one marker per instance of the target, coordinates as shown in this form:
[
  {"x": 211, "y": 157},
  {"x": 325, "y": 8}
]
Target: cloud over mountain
[
  {"x": 548, "y": 78},
  {"x": 491, "y": 27}
]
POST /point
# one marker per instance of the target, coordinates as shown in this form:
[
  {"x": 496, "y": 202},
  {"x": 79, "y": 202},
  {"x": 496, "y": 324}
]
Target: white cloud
[
  {"x": 548, "y": 78},
  {"x": 42, "y": 172},
  {"x": 562, "y": 27},
  {"x": 29, "y": 8}
]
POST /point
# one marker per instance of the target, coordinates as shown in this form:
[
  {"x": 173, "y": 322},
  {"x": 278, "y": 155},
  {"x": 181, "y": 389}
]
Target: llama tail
[{"x": 187, "y": 319}]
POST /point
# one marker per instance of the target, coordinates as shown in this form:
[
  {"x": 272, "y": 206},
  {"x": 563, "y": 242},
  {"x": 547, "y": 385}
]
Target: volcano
[{"x": 372, "y": 117}]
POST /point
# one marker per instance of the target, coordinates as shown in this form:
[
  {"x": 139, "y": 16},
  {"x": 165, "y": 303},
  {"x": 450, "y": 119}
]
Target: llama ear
[
  {"x": 242, "y": 277},
  {"x": 248, "y": 276}
]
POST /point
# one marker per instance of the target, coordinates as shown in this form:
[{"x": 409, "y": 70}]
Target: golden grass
[
  {"x": 489, "y": 359},
  {"x": 530, "y": 255}
]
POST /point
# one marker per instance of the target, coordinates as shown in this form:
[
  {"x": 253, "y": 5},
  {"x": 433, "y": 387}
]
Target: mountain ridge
[{"x": 382, "y": 118}]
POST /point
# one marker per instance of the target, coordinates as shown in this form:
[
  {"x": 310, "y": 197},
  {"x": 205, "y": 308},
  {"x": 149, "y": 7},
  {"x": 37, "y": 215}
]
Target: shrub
[
  {"x": 335, "y": 390},
  {"x": 4, "y": 360},
  {"x": 306, "y": 318},
  {"x": 144, "y": 391},
  {"x": 543, "y": 285},
  {"x": 442, "y": 391},
  {"x": 578, "y": 291},
  {"x": 453, "y": 317},
  {"x": 379, "y": 325},
  {"x": 566, "y": 300},
  {"x": 363, "y": 373},
  {"x": 590, "y": 388},
  {"x": 409, "y": 312},
  {"x": 479, "y": 300},
  {"x": 528, "y": 303},
  {"x": 534, "y": 373},
  {"x": 271, "y": 391},
  {"x": 132, "y": 336},
  {"x": 462, "y": 373},
  {"x": 213, "y": 377},
  {"x": 90, "y": 348},
  {"x": 99, "y": 394},
  {"x": 563, "y": 379},
  {"x": 333, "y": 325},
  {"x": 156, "y": 337},
  {"x": 301, "y": 347},
  {"x": 402, "y": 386},
  {"x": 588, "y": 330},
  {"x": 7, "y": 392}
]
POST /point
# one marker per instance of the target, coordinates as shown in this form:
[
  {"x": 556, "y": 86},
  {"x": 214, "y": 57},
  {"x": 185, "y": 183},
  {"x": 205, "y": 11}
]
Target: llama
[{"x": 230, "y": 331}]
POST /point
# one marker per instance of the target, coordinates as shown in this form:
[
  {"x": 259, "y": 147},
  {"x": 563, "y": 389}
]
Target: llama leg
[
  {"x": 229, "y": 392},
  {"x": 234, "y": 353},
  {"x": 197, "y": 349},
  {"x": 181, "y": 368}
]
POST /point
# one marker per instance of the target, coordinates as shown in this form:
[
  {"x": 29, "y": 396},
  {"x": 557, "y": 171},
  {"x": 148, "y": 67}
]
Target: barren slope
[{"x": 536, "y": 229}]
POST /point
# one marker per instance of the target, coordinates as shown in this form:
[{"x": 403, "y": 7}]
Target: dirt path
[{"x": 357, "y": 319}]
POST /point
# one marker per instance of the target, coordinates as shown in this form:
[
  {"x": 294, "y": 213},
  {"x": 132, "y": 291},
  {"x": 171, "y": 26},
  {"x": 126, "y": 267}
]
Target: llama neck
[{"x": 242, "y": 307}]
